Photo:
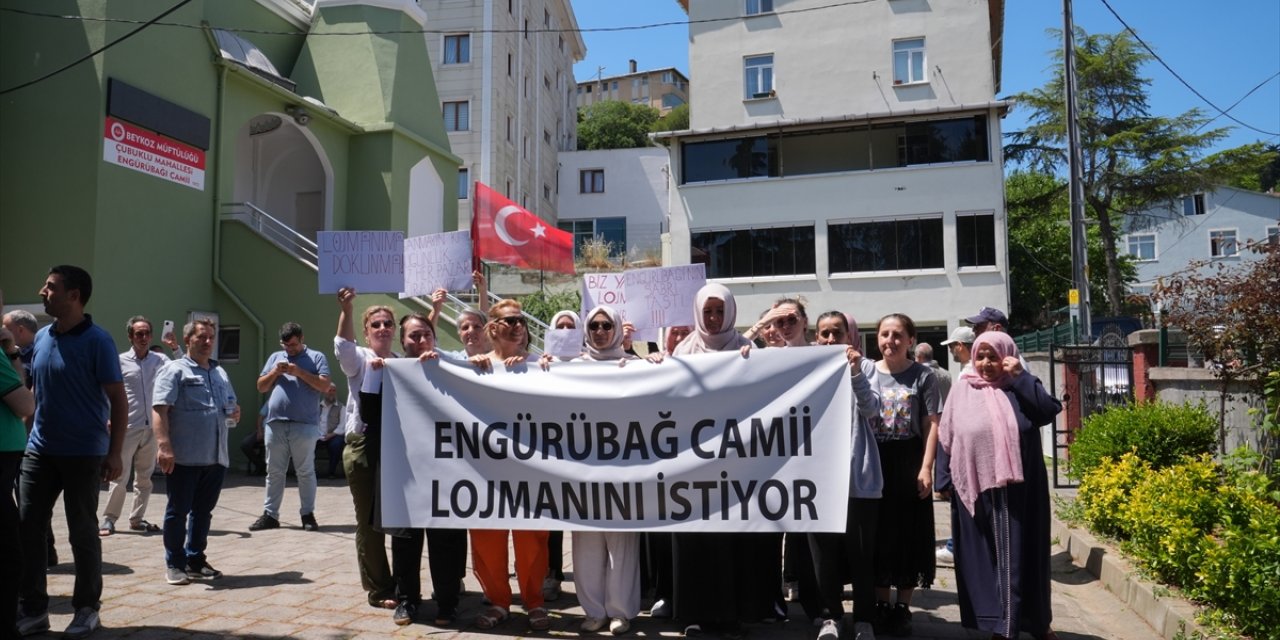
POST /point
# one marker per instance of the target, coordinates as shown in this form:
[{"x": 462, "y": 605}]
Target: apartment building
[
  {"x": 848, "y": 154},
  {"x": 504, "y": 73},
  {"x": 662, "y": 89}
]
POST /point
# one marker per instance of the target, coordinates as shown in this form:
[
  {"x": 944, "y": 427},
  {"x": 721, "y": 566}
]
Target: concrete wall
[
  {"x": 1197, "y": 385},
  {"x": 636, "y": 187}
]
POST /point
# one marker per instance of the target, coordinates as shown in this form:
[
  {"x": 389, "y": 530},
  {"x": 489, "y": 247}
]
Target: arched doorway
[{"x": 282, "y": 170}]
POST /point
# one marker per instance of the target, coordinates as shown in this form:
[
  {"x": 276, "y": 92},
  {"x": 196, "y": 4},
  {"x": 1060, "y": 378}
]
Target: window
[
  {"x": 758, "y": 76},
  {"x": 526, "y": 86},
  {"x": 508, "y": 191},
  {"x": 524, "y": 147},
  {"x": 1222, "y": 243},
  {"x": 1273, "y": 236},
  {"x": 546, "y": 82},
  {"x": 611, "y": 230},
  {"x": 546, "y": 192},
  {"x": 561, "y": 44},
  {"x": 976, "y": 239},
  {"x": 510, "y": 64},
  {"x": 728, "y": 159},
  {"x": 510, "y": 6},
  {"x": 591, "y": 181},
  {"x": 457, "y": 116},
  {"x": 908, "y": 61},
  {"x": 546, "y": 136},
  {"x": 1193, "y": 205},
  {"x": 546, "y": 18},
  {"x": 457, "y": 49},
  {"x": 526, "y": 28},
  {"x": 509, "y": 138},
  {"x": 759, "y": 6},
  {"x": 743, "y": 253},
  {"x": 464, "y": 183},
  {"x": 228, "y": 344},
  {"x": 1142, "y": 246},
  {"x": 888, "y": 245}
]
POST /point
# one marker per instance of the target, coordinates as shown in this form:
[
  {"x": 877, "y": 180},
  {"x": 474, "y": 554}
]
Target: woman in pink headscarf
[{"x": 991, "y": 466}]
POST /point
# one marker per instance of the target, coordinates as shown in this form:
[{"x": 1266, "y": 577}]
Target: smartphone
[{"x": 167, "y": 331}]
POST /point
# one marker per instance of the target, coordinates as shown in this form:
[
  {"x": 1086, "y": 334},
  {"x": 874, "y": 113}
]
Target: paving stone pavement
[{"x": 288, "y": 583}]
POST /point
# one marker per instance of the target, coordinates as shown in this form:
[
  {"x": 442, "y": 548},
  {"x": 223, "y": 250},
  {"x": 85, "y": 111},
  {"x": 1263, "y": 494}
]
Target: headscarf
[
  {"x": 855, "y": 338},
  {"x": 565, "y": 314},
  {"x": 611, "y": 351},
  {"x": 702, "y": 341},
  {"x": 979, "y": 429},
  {"x": 668, "y": 340}
]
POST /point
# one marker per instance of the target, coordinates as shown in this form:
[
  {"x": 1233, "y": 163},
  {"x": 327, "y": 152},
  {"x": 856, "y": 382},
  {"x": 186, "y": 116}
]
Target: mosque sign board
[{"x": 148, "y": 152}]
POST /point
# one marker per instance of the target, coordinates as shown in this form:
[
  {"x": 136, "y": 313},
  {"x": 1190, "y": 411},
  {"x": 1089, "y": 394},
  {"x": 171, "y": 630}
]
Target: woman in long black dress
[{"x": 990, "y": 464}]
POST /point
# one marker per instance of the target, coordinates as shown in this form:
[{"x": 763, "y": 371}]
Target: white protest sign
[
  {"x": 563, "y": 343},
  {"x": 437, "y": 261},
  {"x": 609, "y": 289},
  {"x": 664, "y": 294},
  {"x": 370, "y": 261},
  {"x": 709, "y": 442}
]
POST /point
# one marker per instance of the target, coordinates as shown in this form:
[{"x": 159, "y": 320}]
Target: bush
[
  {"x": 1169, "y": 517},
  {"x": 1159, "y": 433},
  {"x": 1241, "y": 570},
  {"x": 1106, "y": 490}
]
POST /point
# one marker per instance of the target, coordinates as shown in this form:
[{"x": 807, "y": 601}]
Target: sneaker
[
  {"x": 592, "y": 625},
  {"x": 405, "y": 613},
  {"x": 692, "y": 631},
  {"x": 661, "y": 609},
  {"x": 619, "y": 626},
  {"x": 830, "y": 630},
  {"x": 550, "y": 589},
  {"x": 84, "y": 623},
  {"x": 265, "y": 521},
  {"x": 32, "y": 624},
  {"x": 176, "y": 576},
  {"x": 863, "y": 631},
  {"x": 944, "y": 556},
  {"x": 900, "y": 620},
  {"x": 309, "y": 523},
  {"x": 203, "y": 572}
]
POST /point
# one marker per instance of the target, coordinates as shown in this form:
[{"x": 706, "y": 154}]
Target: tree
[
  {"x": 1132, "y": 160},
  {"x": 676, "y": 119},
  {"x": 1040, "y": 250},
  {"x": 613, "y": 124},
  {"x": 1254, "y": 166}
]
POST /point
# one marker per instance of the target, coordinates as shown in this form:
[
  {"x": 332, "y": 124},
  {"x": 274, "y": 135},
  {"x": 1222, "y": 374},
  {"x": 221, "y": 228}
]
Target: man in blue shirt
[
  {"x": 295, "y": 378},
  {"x": 76, "y": 439},
  {"x": 194, "y": 405}
]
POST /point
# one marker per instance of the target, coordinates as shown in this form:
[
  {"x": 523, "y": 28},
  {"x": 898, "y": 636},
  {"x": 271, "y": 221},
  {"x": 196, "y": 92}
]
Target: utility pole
[{"x": 1079, "y": 298}]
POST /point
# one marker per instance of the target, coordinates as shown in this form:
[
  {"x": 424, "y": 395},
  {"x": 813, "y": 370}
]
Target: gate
[{"x": 1095, "y": 377}]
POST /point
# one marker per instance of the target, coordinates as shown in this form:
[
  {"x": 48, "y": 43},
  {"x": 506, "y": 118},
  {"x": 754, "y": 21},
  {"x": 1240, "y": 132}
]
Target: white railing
[{"x": 275, "y": 231}]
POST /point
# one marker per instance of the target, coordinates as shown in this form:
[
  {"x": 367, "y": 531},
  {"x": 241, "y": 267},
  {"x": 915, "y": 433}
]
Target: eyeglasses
[
  {"x": 382, "y": 324},
  {"x": 511, "y": 321},
  {"x": 600, "y": 326},
  {"x": 789, "y": 321}
]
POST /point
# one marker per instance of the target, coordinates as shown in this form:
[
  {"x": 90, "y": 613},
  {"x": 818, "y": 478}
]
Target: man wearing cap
[
  {"x": 959, "y": 344},
  {"x": 988, "y": 319}
]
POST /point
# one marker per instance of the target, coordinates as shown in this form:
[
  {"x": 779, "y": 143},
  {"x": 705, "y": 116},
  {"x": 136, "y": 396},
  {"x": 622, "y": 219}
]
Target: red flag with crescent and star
[{"x": 506, "y": 233}]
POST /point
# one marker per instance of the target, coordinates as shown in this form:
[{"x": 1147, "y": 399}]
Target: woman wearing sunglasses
[
  {"x": 606, "y": 564},
  {"x": 509, "y": 335}
]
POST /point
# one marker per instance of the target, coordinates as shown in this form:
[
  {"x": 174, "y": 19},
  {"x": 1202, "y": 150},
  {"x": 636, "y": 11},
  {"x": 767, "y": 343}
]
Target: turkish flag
[{"x": 506, "y": 233}]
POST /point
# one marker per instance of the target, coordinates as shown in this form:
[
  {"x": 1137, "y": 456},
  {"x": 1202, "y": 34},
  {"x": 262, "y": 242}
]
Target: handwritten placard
[
  {"x": 437, "y": 261},
  {"x": 663, "y": 296},
  {"x": 564, "y": 343},
  {"x": 609, "y": 289},
  {"x": 370, "y": 261}
]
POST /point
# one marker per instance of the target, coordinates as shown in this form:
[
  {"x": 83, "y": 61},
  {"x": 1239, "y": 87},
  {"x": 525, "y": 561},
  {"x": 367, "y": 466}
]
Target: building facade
[
  {"x": 619, "y": 195},
  {"x": 189, "y": 169},
  {"x": 1200, "y": 231},
  {"x": 847, "y": 154},
  {"x": 662, "y": 89},
  {"x": 504, "y": 69}
]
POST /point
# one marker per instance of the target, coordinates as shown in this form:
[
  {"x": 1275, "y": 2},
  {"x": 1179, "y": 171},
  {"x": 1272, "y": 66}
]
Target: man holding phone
[{"x": 295, "y": 378}]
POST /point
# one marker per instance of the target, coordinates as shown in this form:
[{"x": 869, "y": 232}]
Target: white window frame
[
  {"x": 452, "y": 126},
  {"x": 753, "y": 66},
  {"x": 1199, "y": 204},
  {"x": 445, "y": 47},
  {"x": 1235, "y": 243},
  {"x": 758, "y": 7},
  {"x": 909, "y": 55},
  {"x": 1132, "y": 237}
]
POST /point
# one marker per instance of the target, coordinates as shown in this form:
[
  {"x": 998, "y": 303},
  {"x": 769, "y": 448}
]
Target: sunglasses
[
  {"x": 600, "y": 326},
  {"x": 512, "y": 321},
  {"x": 789, "y": 321},
  {"x": 382, "y": 324}
]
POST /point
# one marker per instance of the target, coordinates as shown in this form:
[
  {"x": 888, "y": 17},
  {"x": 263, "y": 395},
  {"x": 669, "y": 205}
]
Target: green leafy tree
[
  {"x": 1040, "y": 250},
  {"x": 613, "y": 124},
  {"x": 1132, "y": 159},
  {"x": 1254, "y": 166},
  {"x": 676, "y": 119}
]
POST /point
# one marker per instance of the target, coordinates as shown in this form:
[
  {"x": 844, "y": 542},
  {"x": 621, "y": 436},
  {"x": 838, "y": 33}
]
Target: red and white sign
[{"x": 136, "y": 148}]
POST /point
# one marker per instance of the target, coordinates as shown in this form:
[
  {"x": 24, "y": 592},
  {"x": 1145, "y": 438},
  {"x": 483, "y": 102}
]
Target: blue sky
[{"x": 1222, "y": 49}]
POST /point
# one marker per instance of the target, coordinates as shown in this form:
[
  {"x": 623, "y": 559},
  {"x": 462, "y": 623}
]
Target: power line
[
  {"x": 1242, "y": 98},
  {"x": 1186, "y": 84},
  {"x": 95, "y": 52},
  {"x": 638, "y": 27}
]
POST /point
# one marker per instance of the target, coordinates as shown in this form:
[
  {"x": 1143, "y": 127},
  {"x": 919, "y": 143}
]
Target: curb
[{"x": 1170, "y": 616}]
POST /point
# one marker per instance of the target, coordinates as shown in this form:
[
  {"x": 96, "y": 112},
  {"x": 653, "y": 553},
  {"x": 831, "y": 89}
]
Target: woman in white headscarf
[{"x": 714, "y": 314}]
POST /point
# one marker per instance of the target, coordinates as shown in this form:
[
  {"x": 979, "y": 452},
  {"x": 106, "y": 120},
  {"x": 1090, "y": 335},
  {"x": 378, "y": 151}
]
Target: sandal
[
  {"x": 143, "y": 525},
  {"x": 108, "y": 527},
  {"x": 539, "y": 619},
  {"x": 492, "y": 617},
  {"x": 383, "y": 603}
]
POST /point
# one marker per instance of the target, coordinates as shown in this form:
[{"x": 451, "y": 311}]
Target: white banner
[
  {"x": 437, "y": 261},
  {"x": 711, "y": 442}
]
